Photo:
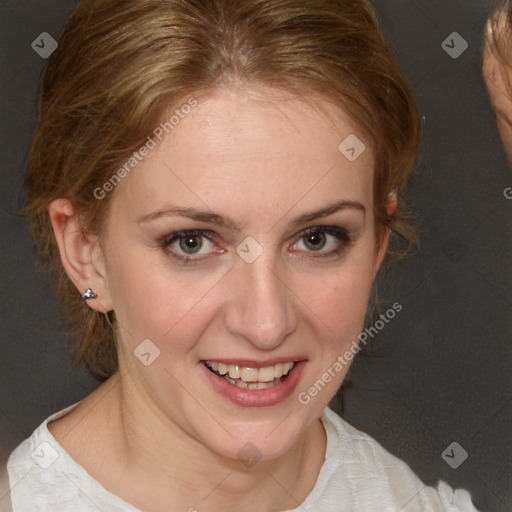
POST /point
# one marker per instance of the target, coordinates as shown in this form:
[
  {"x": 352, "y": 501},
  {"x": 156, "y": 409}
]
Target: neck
[{"x": 180, "y": 470}]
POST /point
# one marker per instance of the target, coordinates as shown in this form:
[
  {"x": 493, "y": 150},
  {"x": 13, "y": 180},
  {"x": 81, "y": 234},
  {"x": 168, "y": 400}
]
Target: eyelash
[{"x": 344, "y": 242}]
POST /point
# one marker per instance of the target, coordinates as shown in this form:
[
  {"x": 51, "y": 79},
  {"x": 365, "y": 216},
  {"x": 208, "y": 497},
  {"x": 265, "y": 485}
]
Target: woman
[
  {"x": 497, "y": 70},
  {"x": 214, "y": 185}
]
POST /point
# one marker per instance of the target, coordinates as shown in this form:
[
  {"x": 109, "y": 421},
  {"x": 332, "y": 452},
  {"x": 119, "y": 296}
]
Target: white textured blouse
[{"x": 358, "y": 475}]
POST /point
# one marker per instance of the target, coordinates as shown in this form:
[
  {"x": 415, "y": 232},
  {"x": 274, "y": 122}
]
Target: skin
[
  {"x": 159, "y": 436},
  {"x": 498, "y": 77}
]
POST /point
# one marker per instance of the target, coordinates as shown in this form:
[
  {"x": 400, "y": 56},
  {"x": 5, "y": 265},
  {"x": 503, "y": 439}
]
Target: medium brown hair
[
  {"x": 499, "y": 32},
  {"x": 121, "y": 63}
]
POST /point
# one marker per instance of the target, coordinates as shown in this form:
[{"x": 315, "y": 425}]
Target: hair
[
  {"x": 121, "y": 63},
  {"x": 499, "y": 33}
]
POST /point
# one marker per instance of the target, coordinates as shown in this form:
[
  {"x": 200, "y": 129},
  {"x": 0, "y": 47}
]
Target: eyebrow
[{"x": 227, "y": 222}]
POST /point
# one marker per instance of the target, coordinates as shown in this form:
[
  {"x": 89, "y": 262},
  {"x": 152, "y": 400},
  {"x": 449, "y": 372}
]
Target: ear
[
  {"x": 81, "y": 255},
  {"x": 391, "y": 205}
]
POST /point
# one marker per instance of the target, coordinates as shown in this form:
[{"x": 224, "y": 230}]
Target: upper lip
[{"x": 251, "y": 363}]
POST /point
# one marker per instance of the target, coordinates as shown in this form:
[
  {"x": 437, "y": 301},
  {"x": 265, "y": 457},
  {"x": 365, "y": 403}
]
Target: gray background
[{"x": 439, "y": 372}]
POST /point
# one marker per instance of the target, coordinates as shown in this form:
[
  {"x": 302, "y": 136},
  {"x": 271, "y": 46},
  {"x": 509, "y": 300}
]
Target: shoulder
[
  {"x": 43, "y": 477},
  {"x": 38, "y": 452},
  {"x": 376, "y": 478},
  {"x": 34, "y": 469}
]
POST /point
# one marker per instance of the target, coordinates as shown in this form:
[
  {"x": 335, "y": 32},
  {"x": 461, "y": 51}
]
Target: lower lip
[{"x": 255, "y": 397}]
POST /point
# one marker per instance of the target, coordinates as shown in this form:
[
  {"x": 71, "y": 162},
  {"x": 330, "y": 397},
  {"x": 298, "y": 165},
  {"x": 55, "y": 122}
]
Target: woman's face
[{"x": 275, "y": 269}]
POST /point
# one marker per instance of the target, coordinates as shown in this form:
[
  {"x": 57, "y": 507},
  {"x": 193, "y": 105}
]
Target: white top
[{"x": 358, "y": 475}]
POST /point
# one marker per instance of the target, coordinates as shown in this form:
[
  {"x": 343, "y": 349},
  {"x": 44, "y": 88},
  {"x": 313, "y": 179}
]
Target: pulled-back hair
[
  {"x": 499, "y": 32},
  {"x": 121, "y": 63}
]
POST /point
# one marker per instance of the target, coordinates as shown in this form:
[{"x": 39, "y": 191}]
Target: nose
[{"x": 261, "y": 306}]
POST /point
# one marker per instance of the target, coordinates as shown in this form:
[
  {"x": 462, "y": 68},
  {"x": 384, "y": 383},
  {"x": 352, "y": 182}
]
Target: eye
[
  {"x": 187, "y": 245},
  {"x": 192, "y": 246},
  {"x": 324, "y": 240}
]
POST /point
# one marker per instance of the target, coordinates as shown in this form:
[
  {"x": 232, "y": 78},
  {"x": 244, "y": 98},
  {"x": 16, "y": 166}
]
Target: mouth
[
  {"x": 249, "y": 384},
  {"x": 251, "y": 378}
]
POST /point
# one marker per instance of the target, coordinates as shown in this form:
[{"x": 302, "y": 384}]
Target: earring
[{"x": 88, "y": 294}]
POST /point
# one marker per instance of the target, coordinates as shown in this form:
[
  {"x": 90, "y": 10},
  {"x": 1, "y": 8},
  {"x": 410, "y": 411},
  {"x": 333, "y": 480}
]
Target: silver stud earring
[{"x": 88, "y": 294}]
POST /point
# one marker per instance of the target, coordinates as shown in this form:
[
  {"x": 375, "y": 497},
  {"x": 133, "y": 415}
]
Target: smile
[{"x": 251, "y": 378}]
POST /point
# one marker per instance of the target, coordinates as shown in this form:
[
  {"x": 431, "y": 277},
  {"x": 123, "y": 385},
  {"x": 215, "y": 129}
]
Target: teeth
[
  {"x": 234, "y": 371},
  {"x": 241, "y": 375},
  {"x": 249, "y": 374},
  {"x": 252, "y": 385},
  {"x": 266, "y": 374}
]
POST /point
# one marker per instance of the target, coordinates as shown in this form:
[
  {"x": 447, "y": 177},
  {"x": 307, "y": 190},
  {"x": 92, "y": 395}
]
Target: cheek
[
  {"x": 339, "y": 304},
  {"x": 336, "y": 310},
  {"x": 151, "y": 299},
  {"x": 343, "y": 293}
]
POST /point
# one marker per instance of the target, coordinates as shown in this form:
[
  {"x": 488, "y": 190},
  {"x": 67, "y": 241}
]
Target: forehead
[
  {"x": 267, "y": 122},
  {"x": 255, "y": 147}
]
